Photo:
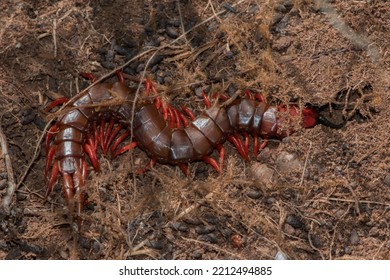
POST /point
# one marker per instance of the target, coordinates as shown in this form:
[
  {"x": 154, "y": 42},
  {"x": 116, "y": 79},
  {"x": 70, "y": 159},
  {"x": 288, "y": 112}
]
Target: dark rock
[
  {"x": 254, "y": 194},
  {"x": 294, "y": 221},
  {"x": 3, "y": 184},
  {"x": 179, "y": 226},
  {"x": 386, "y": 181},
  {"x": 205, "y": 229},
  {"x": 172, "y": 32},
  {"x": 211, "y": 238}
]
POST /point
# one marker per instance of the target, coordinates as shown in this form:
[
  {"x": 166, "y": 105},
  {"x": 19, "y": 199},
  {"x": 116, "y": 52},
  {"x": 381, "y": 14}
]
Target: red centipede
[{"x": 166, "y": 134}]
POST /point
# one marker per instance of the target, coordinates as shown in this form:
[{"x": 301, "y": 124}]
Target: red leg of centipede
[
  {"x": 126, "y": 148},
  {"x": 259, "y": 98},
  {"x": 221, "y": 151},
  {"x": 236, "y": 141},
  {"x": 255, "y": 145},
  {"x": 58, "y": 101},
  {"x": 91, "y": 152},
  {"x": 150, "y": 165},
  {"x": 108, "y": 133},
  {"x": 84, "y": 171},
  {"x": 171, "y": 117},
  {"x": 264, "y": 144},
  {"x": 212, "y": 162},
  {"x": 120, "y": 76},
  {"x": 114, "y": 134},
  {"x": 246, "y": 143},
  {"x": 248, "y": 94},
  {"x": 149, "y": 87},
  {"x": 49, "y": 158},
  {"x": 118, "y": 141},
  {"x": 206, "y": 100},
  {"x": 88, "y": 76},
  {"x": 183, "y": 119},
  {"x": 177, "y": 117},
  {"x": 102, "y": 136},
  {"x": 93, "y": 140},
  {"x": 78, "y": 183},
  {"x": 49, "y": 136},
  {"x": 158, "y": 103},
  {"x": 184, "y": 167},
  {"x": 67, "y": 187},
  {"x": 189, "y": 113},
  {"x": 52, "y": 179}
]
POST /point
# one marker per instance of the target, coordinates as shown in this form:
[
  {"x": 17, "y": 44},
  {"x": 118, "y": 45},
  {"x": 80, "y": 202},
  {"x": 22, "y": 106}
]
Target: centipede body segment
[{"x": 161, "y": 130}]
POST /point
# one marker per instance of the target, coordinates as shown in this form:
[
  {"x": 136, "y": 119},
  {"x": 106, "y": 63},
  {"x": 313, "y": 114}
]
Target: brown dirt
[{"x": 320, "y": 194}]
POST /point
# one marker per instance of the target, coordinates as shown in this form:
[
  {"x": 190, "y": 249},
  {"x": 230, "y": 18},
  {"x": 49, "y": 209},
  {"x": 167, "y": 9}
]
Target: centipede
[{"x": 108, "y": 113}]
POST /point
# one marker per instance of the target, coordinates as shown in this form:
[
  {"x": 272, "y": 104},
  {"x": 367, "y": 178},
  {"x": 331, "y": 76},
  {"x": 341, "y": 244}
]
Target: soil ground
[{"x": 321, "y": 193}]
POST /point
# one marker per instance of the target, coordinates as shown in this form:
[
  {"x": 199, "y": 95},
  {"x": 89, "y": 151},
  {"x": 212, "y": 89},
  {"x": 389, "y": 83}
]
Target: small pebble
[
  {"x": 193, "y": 221},
  {"x": 96, "y": 246},
  {"x": 289, "y": 229},
  {"x": 197, "y": 254},
  {"x": 265, "y": 155},
  {"x": 211, "y": 218},
  {"x": 172, "y": 32},
  {"x": 280, "y": 8},
  {"x": 229, "y": 54},
  {"x": 174, "y": 22},
  {"x": 281, "y": 256},
  {"x": 205, "y": 229},
  {"x": 254, "y": 194},
  {"x": 226, "y": 232},
  {"x": 229, "y": 8},
  {"x": 179, "y": 226},
  {"x": 287, "y": 162},
  {"x": 211, "y": 238},
  {"x": 387, "y": 180},
  {"x": 294, "y": 221},
  {"x": 84, "y": 242},
  {"x": 262, "y": 173},
  {"x": 140, "y": 67},
  {"x": 155, "y": 244},
  {"x": 27, "y": 119},
  {"x": 354, "y": 237},
  {"x": 155, "y": 60},
  {"x": 198, "y": 92},
  {"x": 20, "y": 196},
  {"x": 39, "y": 123},
  {"x": 3, "y": 184}
]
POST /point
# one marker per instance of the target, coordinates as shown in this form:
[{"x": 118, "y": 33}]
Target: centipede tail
[
  {"x": 159, "y": 129},
  {"x": 68, "y": 141}
]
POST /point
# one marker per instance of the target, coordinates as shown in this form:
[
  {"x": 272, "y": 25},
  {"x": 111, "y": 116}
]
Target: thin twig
[
  {"x": 36, "y": 153},
  {"x": 352, "y": 201},
  {"x": 305, "y": 165},
  {"x": 55, "y": 36},
  {"x": 11, "y": 181}
]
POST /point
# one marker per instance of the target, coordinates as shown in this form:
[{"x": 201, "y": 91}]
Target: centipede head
[{"x": 309, "y": 117}]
